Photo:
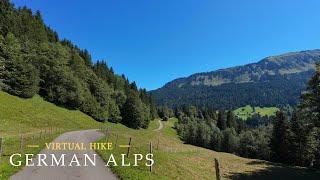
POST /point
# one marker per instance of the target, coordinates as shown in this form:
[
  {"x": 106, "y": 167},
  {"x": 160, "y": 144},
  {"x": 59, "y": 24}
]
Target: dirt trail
[
  {"x": 160, "y": 126},
  {"x": 100, "y": 171}
]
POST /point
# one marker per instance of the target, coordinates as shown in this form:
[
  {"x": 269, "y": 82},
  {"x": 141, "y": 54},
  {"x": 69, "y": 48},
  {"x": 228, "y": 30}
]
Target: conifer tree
[
  {"x": 231, "y": 120},
  {"x": 280, "y": 140},
  {"x": 20, "y": 78},
  {"x": 221, "y": 123},
  {"x": 132, "y": 111},
  {"x": 310, "y": 109},
  {"x": 303, "y": 142}
]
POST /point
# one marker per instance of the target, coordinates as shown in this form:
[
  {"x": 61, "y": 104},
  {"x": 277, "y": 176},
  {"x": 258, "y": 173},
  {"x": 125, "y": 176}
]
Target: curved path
[
  {"x": 160, "y": 126},
  {"x": 100, "y": 171}
]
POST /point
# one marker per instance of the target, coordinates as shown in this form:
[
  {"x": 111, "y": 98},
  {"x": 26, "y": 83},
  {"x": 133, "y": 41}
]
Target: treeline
[
  {"x": 33, "y": 60},
  {"x": 270, "y": 91},
  {"x": 294, "y": 140},
  {"x": 222, "y": 131}
]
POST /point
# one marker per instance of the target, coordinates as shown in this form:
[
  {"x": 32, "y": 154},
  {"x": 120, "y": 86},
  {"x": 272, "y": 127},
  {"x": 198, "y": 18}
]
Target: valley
[{"x": 173, "y": 158}]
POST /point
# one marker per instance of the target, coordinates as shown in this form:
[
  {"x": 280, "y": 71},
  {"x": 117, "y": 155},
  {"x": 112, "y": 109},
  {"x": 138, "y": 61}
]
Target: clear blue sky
[{"x": 155, "y": 41}]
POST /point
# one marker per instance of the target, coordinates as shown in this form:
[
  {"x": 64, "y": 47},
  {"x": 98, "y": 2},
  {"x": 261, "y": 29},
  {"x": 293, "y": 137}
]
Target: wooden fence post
[
  {"x": 107, "y": 135},
  {"x": 150, "y": 151},
  {"x": 129, "y": 146},
  {"x": 218, "y": 176},
  {"x": 21, "y": 143},
  {"x": 115, "y": 145},
  {"x": 1, "y": 146}
]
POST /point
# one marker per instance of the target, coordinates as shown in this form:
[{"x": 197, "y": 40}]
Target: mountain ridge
[{"x": 271, "y": 73}]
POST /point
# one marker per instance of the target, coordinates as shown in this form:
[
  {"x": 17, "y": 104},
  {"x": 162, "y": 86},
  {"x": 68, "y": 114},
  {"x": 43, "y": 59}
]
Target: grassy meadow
[
  {"x": 176, "y": 160},
  {"x": 37, "y": 122},
  {"x": 173, "y": 158},
  {"x": 247, "y": 111}
]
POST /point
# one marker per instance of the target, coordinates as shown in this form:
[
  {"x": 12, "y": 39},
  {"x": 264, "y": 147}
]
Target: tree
[
  {"x": 216, "y": 138},
  {"x": 86, "y": 57},
  {"x": 310, "y": 100},
  {"x": 231, "y": 120},
  {"x": 303, "y": 143},
  {"x": 230, "y": 140},
  {"x": 132, "y": 112},
  {"x": 247, "y": 146},
  {"x": 280, "y": 140},
  {"x": 310, "y": 113},
  {"x": 20, "y": 77},
  {"x": 222, "y": 124}
]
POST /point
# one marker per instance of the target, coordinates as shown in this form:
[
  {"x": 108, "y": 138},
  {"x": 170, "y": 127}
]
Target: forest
[
  {"x": 278, "y": 91},
  {"x": 292, "y": 139},
  {"x": 34, "y": 60}
]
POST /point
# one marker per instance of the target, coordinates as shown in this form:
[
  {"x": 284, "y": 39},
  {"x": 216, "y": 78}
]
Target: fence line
[{"x": 19, "y": 142}]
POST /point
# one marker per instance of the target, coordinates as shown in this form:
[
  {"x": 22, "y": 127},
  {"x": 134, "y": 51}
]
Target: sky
[{"x": 155, "y": 41}]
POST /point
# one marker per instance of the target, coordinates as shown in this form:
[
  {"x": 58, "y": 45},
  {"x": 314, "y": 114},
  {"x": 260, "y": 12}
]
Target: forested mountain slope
[
  {"x": 34, "y": 60},
  {"x": 273, "y": 81}
]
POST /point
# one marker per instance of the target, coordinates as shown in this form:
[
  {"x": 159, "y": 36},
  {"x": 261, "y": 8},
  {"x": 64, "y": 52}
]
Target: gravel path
[{"x": 100, "y": 171}]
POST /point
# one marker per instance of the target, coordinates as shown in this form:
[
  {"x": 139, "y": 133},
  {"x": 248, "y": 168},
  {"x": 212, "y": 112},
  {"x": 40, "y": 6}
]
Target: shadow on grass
[{"x": 277, "y": 171}]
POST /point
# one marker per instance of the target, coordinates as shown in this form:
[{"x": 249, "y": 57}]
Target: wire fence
[{"x": 24, "y": 143}]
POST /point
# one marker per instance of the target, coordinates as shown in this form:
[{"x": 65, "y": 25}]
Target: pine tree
[
  {"x": 132, "y": 112},
  {"x": 310, "y": 100},
  {"x": 20, "y": 78},
  {"x": 310, "y": 109},
  {"x": 230, "y": 142},
  {"x": 231, "y": 120},
  {"x": 303, "y": 143},
  {"x": 280, "y": 140},
  {"x": 222, "y": 124}
]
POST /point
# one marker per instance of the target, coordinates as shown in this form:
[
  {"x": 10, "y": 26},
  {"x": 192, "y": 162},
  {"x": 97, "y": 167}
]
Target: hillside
[
  {"x": 38, "y": 122},
  {"x": 273, "y": 81},
  {"x": 176, "y": 160},
  {"x": 35, "y": 61}
]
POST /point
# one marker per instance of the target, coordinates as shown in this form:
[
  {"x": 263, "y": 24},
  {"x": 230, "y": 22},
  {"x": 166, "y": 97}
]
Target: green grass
[
  {"x": 247, "y": 111},
  {"x": 29, "y": 117},
  {"x": 176, "y": 160},
  {"x": 173, "y": 158}
]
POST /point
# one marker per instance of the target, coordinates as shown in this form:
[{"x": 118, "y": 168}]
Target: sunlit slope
[
  {"x": 19, "y": 115},
  {"x": 176, "y": 160}
]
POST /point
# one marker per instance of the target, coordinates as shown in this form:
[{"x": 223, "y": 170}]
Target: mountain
[{"x": 273, "y": 81}]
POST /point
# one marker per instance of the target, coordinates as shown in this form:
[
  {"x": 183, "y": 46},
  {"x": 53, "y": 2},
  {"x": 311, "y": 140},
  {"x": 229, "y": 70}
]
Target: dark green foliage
[
  {"x": 303, "y": 143},
  {"x": 164, "y": 111},
  {"x": 34, "y": 60},
  {"x": 222, "y": 124},
  {"x": 231, "y": 120},
  {"x": 308, "y": 123},
  {"x": 280, "y": 140},
  {"x": 256, "y": 120},
  {"x": 230, "y": 141},
  {"x": 255, "y": 143},
  {"x": 198, "y": 126},
  {"x": 20, "y": 77},
  {"x": 86, "y": 57},
  {"x": 216, "y": 138},
  {"x": 310, "y": 104},
  {"x": 133, "y": 113}
]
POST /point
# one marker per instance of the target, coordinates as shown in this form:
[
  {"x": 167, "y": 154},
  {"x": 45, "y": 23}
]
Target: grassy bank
[
  {"x": 176, "y": 160},
  {"x": 35, "y": 122}
]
